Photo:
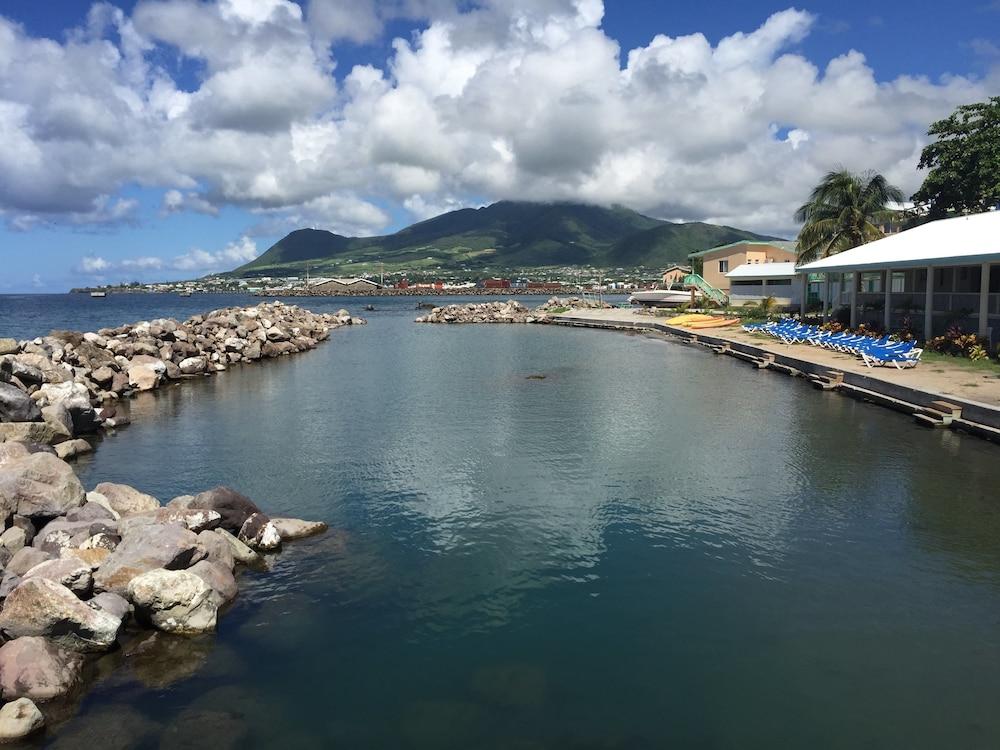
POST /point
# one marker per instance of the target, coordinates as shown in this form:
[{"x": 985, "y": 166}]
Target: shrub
[{"x": 957, "y": 343}]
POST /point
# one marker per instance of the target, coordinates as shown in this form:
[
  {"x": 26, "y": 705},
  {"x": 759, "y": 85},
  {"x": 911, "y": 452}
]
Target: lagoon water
[{"x": 650, "y": 547}]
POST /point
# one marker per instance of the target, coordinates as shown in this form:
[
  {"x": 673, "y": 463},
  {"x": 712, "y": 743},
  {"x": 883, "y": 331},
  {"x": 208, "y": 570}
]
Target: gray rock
[
  {"x": 234, "y": 508},
  {"x": 293, "y": 528},
  {"x": 90, "y": 511},
  {"x": 19, "y": 719},
  {"x": 8, "y": 346},
  {"x": 25, "y": 559},
  {"x": 46, "y": 433},
  {"x": 13, "y": 539},
  {"x": 73, "y": 448},
  {"x": 113, "y": 604},
  {"x": 60, "y": 533},
  {"x": 72, "y": 574},
  {"x": 241, "y": 552},
  {"x": 181, "y": 501},
  {"x": 174, "y": 601},
  {"x": 17, "y": 406},
  {"x": 26, "y": 525},
  {"x": 35, "y": 668},
  {"x": 39, "y": 486},
  {"x": 93, "y": 557},
  {"x": 190, "y": 518},
  {"x": 124, "y": 499},
  {"x": 259, "y": 533},
  {"x": 59, "y": 417},
  {"x": 99, "y": 499},
  {"x": 218, "y": 549},
  {"x": 11, "y": 451},
  {"x": 42, "y": 607},
  {"x": 219, "y": 578},
  {"x": 148, "y": 548},
  {"x": 193, "y": 365}
]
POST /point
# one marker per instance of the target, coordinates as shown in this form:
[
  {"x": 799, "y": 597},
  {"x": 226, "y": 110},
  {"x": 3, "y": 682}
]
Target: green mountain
[{"x": 503, "y": 235}]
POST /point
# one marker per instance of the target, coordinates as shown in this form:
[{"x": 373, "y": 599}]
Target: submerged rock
[
  {"x": 36, "y": 668},
  {"x": 290, "y": 529}
]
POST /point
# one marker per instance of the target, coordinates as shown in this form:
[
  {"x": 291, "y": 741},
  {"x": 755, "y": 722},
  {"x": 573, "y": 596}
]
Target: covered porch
[{"x": 926, "y": 279}]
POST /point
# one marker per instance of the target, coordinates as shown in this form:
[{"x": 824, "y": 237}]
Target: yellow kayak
[
  {"x": 681, "y": 320},
  {"x": 717, "y": 323}
]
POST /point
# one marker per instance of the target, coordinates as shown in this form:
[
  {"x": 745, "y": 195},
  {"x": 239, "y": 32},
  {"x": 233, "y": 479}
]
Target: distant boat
[
  {"x": 184, "y": 294},
  {"x": 98, "y": 294}
]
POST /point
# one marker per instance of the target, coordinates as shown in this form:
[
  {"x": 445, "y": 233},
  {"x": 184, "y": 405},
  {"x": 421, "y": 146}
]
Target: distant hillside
[{"x": 504, "y": 235}]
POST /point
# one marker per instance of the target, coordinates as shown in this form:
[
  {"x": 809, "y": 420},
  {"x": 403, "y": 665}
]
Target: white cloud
[
  {"x": 94, "y": 264},
  {"x": 521, "y": 99},
  {"x": 234, "y": 254}
]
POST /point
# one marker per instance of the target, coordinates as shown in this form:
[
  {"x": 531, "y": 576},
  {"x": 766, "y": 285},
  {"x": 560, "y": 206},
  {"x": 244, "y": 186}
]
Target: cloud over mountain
[{"x": 525, "y": 99}]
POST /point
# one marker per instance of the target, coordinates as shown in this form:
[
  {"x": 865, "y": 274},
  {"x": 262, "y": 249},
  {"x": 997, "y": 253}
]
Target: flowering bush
[{"x": 959, "y": 344}]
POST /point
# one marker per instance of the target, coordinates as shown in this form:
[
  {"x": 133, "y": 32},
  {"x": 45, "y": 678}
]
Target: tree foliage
[
  {"x": 964, "y": 161},
  {"x": 842, "y": 212}
]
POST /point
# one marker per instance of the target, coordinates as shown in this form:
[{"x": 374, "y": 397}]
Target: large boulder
[
  {"x": 124, "y": 499},
  {"x": 174, "y": 601},
  {"x": 45, "y": 433},
  {"x": 294, "y": 528},
  {"x": 147, "y": 548},
  {"x": 241, "y": 552},
  {"x": 218, "y": 549},
  {"x": 190, "y": 518},
  {"x": 145, "y": 370},
  {"x": 116, "y": 605},
  {"x": 19, "y": 719},
  {"x": 36, "y": 668},
  {"x": 73, "y": 574},
  {"x": 25, "y": 559},
  {"x": 39, "y": 486},
  {"x": 13, "y": 539},
  {"x": 42, "y": 607},
  {"x": 259, "y": 533},
  {"x": 73, "y": 448},
  {"x": 8, "y": 346},
  {"x": 219, "y": 578},
  {"x": 17, "y": 406},
  {"x": 234, "y": 508},
  {"x": 193, "y": 365}
]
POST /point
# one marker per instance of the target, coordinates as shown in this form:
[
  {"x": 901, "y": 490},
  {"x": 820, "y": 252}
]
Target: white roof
[
  {"x": 963, "y": 240},
  {"x": 763, "y": 271},
  {"x": 345, "y": 282}
]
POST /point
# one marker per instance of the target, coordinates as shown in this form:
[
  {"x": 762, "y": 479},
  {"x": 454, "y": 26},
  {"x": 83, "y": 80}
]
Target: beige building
[
  {"x": 675, "y": 274},
  {"x": 342, "y": 286},
  {"x": 718, "y": 261}
]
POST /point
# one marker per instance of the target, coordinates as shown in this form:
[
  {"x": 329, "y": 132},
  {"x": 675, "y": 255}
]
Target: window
[
  {"x": 779, "y": 282},
  {"x": 723, "y": 266},
  {"x": 898, "y": 282}
]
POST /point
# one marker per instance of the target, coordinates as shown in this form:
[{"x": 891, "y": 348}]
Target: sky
[{"x": 163, "y": 139}]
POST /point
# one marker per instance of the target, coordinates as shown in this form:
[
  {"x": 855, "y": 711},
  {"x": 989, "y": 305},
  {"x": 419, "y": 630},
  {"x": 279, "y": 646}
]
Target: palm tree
[{"x": 842, "y": 211}]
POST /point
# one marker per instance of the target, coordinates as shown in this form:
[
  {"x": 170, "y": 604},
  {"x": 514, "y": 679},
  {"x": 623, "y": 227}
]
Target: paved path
[{"x": 944, "y": 378}]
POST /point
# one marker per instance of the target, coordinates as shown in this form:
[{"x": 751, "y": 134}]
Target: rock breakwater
[
  {"x": 86, "y": 573},
  {"x": 56, "y": 388},
  {"x": 509, "y": 311}
]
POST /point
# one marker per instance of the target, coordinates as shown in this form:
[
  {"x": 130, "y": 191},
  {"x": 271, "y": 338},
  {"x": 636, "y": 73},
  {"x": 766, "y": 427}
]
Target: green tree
[
  {"x": 964, "y": 161},
  {"x": 842, "y": 212}
]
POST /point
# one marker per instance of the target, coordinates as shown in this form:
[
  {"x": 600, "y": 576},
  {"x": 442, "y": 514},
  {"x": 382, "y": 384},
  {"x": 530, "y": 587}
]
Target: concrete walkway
[{"x": 978, "y": 391}]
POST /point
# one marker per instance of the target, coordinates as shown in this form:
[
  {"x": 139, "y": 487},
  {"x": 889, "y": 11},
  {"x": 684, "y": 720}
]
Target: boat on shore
[{"x": 673, "y": 296}]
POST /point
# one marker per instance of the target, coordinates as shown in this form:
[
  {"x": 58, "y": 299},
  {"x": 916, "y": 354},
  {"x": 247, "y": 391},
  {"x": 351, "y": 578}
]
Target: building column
[
  {"x": 929, "y": 306},
  {"x": 805, "y": 295},
  {"x": 887, "y": 290},
  {"x": 855, "y": 280},
  {"x": 826, "y": 296},
  {"x": 984, "y": 300}
]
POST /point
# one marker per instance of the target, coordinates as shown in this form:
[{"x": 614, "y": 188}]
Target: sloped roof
[
  {"x": 763, "y": 271},
  {"x": 963, "y": 240},
  {"x": 783, "y": 244}
]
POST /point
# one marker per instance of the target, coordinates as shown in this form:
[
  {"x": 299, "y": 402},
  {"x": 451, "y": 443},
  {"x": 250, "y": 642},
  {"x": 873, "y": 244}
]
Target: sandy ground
[{"x": 944, "y": 378}]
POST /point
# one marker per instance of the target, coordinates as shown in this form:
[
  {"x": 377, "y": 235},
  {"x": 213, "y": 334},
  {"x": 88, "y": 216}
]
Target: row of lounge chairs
[{"x": 874, "y": 351}]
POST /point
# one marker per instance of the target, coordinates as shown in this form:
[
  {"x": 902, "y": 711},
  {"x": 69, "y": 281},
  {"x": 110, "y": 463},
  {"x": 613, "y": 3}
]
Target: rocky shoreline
[
  {"x": 83, "y": 574},
  {"x": 509, "y": 311},
  {"x": 56, "y": 389},
  {"x": 86, "y": 572}
]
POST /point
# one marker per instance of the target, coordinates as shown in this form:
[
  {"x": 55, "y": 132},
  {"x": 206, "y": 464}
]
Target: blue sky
[{"x": 167, "y": 139}]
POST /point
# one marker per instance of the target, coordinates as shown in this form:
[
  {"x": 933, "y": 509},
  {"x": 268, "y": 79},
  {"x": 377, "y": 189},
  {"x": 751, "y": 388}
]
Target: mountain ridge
[{"x": 506, "y": 234}]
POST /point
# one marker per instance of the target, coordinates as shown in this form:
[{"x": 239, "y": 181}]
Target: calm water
[{"x": 651, "y": 547}]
